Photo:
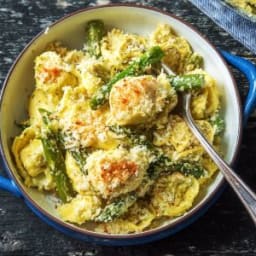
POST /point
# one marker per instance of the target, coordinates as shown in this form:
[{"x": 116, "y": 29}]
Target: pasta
[{"x": 105, "y": 135}]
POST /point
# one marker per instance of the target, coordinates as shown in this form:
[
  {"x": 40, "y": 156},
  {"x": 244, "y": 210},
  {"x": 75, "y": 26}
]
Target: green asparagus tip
[
  {"x": 94, "y": 33},
  {"x": 152, "y": 56},
  {"x": 187, "y": 82},
  {"x": 98, "y": 23}
]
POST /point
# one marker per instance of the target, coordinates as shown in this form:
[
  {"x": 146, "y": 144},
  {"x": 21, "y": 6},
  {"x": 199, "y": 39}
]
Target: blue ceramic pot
[{"x": 19, "y": 85}]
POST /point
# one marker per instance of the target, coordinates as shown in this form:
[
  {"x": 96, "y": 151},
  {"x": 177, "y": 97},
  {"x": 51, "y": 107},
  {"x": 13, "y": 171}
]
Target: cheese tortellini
[
  {"x": 117, "y": 171},
  {"x": 135, "y": 100},
  {"x": 174, "y": 195},
  {"x": 30, "y": 160},
  {"x": 131, "y": 162}
]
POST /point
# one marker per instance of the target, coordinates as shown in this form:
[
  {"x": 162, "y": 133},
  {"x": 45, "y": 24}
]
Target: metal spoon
[{"x": 245, "y": 194}]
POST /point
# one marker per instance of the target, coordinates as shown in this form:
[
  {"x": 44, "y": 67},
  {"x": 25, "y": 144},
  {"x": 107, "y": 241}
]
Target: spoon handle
[{"x": 246, "y": 195}]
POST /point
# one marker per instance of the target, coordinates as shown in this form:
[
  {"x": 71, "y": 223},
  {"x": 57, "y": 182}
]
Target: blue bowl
[{"x": 70, "y": 30}]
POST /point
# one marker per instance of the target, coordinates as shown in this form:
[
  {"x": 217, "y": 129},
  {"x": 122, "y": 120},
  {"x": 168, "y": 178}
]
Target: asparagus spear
[
  {"x": 55, "y": 159},
  {"x": 80, "y": 157},
  {"x": 45, "y": 114},
  {"x": 152, "y": 56},
  {"x": 163, "y": 164},
  {"x": 79, "y": 154},
  {"x": 94, "y": 33},
  {"x": 187, "y": 82},
  {"x": 22, "y": 125},
  {"x": 117, "y": 208},
  {"x": 133, "y": 138},
  {"x": 218, "y": 123},
  {"x": 56, "y": 163}
]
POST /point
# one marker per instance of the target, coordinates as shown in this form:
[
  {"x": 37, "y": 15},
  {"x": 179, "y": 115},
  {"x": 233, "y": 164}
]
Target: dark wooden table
[{"x": 226, "y": 229}]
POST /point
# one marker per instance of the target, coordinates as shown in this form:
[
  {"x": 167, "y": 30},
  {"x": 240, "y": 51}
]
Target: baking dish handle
[
  {"x": 9, "y": 185},
  {"x": 249, "y": 70}
]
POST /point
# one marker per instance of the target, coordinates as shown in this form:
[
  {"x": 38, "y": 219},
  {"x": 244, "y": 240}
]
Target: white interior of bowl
[{"x": 71, "y": 32}]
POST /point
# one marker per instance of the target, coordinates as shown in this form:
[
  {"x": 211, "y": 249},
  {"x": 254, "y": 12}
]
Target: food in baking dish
[
  {"x": 246, "y": 6},
  {"x": 105, "y": 135}
]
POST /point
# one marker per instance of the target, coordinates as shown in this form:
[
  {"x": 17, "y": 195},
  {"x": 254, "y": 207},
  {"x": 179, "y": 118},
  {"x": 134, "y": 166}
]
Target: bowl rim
[{"x": 193, "y": 211}]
